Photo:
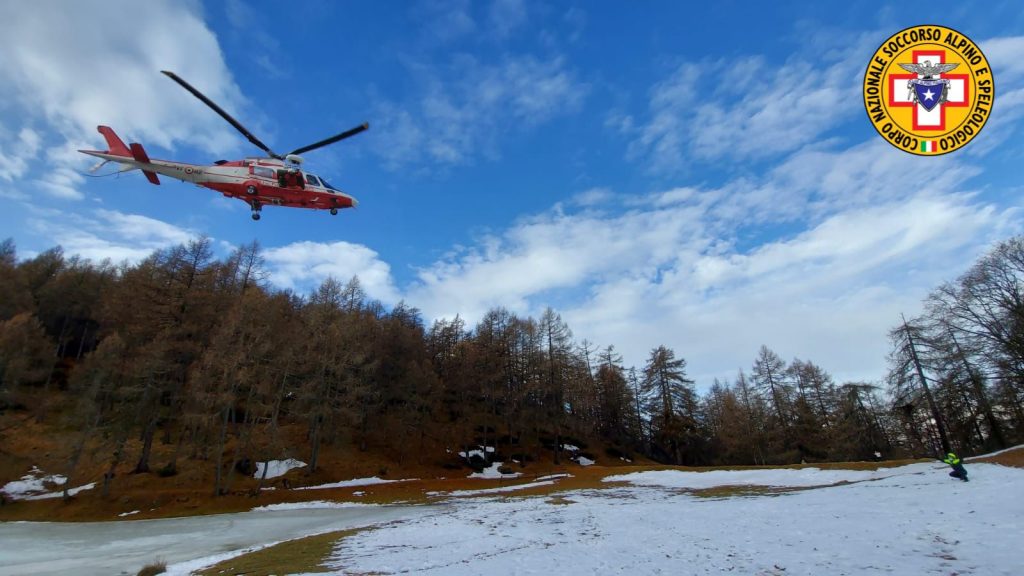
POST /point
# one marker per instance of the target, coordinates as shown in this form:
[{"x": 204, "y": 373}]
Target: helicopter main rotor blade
[
  {"x": 238, "y": 126},
  {"x": 332, "y": 139}
]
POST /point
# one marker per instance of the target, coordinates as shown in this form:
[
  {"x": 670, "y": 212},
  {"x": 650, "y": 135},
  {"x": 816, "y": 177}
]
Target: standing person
[{"x": 958, "y": 469}]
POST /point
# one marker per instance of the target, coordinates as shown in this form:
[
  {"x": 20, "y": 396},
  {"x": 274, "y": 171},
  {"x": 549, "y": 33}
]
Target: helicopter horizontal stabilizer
[{"x": 139, "y": 153}]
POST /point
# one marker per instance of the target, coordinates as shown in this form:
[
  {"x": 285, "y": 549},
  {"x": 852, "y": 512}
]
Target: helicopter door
[{"x": 312, "y": 180}]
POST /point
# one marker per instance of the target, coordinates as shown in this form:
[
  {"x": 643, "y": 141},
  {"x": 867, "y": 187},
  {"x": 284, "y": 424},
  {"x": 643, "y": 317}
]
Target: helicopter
[{"x": 274, "y": 180}]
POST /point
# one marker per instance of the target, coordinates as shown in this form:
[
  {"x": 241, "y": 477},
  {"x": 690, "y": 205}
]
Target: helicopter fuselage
[
  {"x": 275, "y": 179},
  {"x": 257, "y": 181}
]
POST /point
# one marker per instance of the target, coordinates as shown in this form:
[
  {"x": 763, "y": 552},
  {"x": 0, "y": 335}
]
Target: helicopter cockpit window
[
  {"x": 328, "y": 186},
  {"x": 312, "y": 180},
  {"x": 263, "y": 172}
]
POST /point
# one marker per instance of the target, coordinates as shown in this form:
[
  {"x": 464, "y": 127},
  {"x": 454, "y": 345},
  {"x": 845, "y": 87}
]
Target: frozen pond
[{"x": 106, "y": 548}]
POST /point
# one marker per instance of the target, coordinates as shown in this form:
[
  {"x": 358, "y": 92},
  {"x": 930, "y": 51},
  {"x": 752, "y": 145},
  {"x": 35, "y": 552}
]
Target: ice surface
[{"x": 123, "y": 547}]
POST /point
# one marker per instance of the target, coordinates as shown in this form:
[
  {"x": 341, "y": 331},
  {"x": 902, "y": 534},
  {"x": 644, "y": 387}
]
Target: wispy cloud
[
  {"x": 506, "y": 16},
  {"x": 743, "y": 109},
  {"x": 445, "y": 20},
  {"x": 465, "y": 107}
]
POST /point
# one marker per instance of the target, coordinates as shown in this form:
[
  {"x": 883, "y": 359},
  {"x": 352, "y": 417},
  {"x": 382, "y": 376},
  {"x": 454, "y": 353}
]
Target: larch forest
[{"x": 203, "y": 355}]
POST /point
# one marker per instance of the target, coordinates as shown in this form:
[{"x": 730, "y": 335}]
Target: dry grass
[
  {"x": 1014, "y": 458},
  {"x": 153, "y": 569},
  {"x": 24, "y": 443},
  {"x": 304, "y": 555}
]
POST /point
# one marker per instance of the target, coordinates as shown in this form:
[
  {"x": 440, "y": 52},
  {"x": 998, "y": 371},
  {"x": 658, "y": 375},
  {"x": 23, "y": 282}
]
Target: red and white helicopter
[{"x": 275, "y": 180}]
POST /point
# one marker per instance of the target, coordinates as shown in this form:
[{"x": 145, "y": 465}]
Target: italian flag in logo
[{"x": 927, "y": 145}]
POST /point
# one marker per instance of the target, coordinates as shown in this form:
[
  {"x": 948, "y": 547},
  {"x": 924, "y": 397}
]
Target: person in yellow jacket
[{"x": 958, "y": 469}]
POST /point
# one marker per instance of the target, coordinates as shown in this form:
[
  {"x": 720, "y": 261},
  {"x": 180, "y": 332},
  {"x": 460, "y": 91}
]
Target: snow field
[{"x": 906, "y": 520}]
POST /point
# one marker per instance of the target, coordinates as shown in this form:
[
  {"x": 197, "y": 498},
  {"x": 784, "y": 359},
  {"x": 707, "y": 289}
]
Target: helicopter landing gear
[
  {"x": 334, "y": 211},
  {"x": 256, "y": 209},
  {"x": 251, "y": 190}
]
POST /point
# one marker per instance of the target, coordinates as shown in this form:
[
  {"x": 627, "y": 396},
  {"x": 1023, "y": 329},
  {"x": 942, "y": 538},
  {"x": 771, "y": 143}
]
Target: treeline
[
  {"x": 957, "y": 372},
  {"x": 202, "y": 355}
]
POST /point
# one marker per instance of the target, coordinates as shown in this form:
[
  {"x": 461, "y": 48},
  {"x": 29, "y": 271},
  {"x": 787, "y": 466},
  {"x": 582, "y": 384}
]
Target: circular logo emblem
[{"x": 928, "y": 90}]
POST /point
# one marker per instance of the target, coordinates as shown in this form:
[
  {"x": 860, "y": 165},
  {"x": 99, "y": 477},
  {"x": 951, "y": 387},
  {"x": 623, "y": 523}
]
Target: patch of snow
[
  {"x": 34, "y": 486},
  {"x": 277, "y": 468},
  {"x": 355, "y": 482},
  {"x": 554, "y": 477},
  {"x": 123, "y": 514},
  {"x": 60, "y": 493},
  {"x": 33, "y": 483},
  {"x": 359, "y": 493},
  {"x": 624, "y": 459},
  {"x": 584, "y": 461},
  {"x": 498, "y": 490},
  {"x": 479, "y": 451},
  {"x": 1017, "y": 447},
  {"x": 570, "y": 448},
  {"x": 780, "y": 477},
  {"x": 312, "y": 505},
  {"x": 492, "y": 472}
]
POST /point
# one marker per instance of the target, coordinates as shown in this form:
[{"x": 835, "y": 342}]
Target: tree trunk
[
  {"x": 939, "y": 423},
  {"x": 147, "y": 445}
]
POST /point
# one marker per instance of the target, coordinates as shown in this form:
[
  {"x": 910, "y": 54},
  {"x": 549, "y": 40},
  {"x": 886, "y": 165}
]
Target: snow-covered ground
[
  {"x": 907, "y": 520},
  {"x": 904, "y": 520}
]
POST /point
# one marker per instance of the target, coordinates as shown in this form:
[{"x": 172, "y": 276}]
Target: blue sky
[{"x": 700, "y": 177}]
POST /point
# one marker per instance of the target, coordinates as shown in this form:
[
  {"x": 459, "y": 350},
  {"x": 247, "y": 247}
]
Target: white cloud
[
  {"x": 304, "y": 265},
  {"x": 816, "y": 259},
  {"x": 88, "y": 64},
  {"x": 107, "y": 234},
  {"x": 14, "y": 163}
]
